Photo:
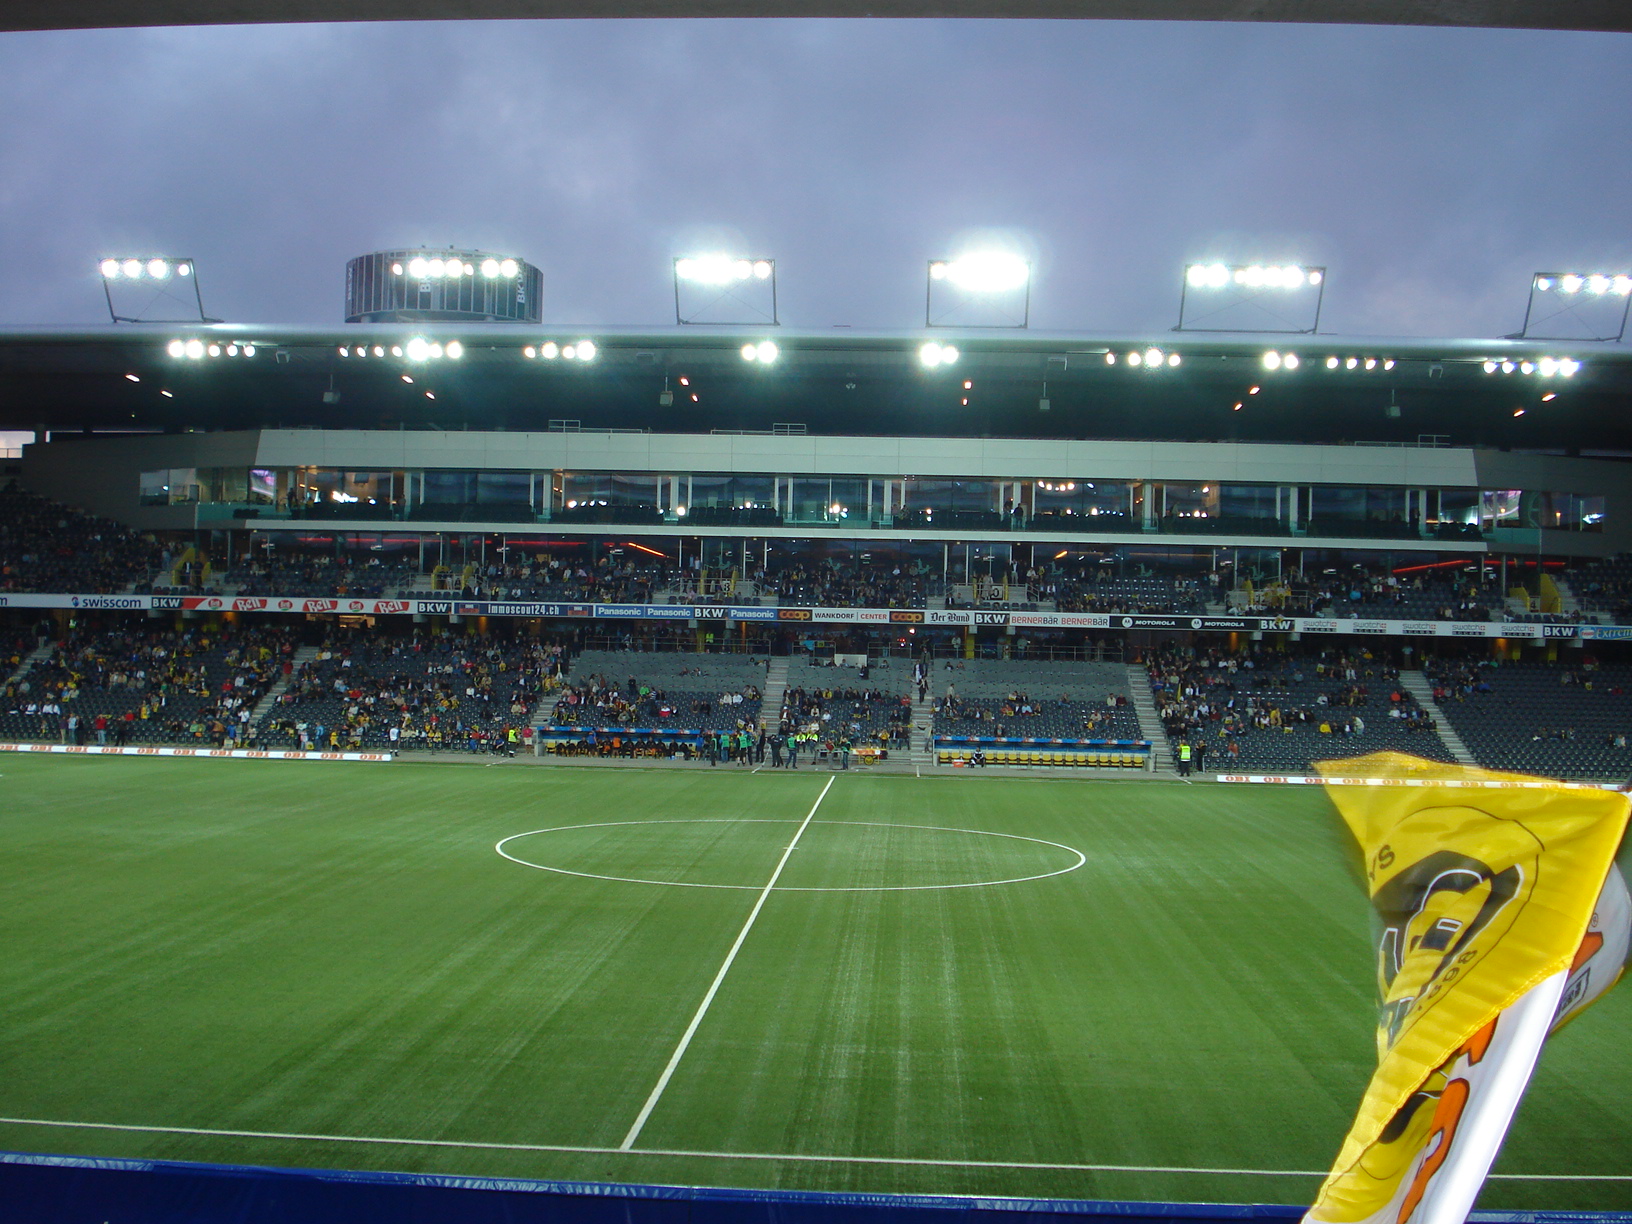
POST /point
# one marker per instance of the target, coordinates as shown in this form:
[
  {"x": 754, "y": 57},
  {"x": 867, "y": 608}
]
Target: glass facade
[{"x": 1042, "y": 505}]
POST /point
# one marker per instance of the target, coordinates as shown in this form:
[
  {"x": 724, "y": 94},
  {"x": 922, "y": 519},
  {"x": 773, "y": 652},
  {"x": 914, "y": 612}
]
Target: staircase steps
[
  {"x": 1150, "y": 722},
  {"x": 269, "y": 702},
  {"x": 1417, "y": 685}
]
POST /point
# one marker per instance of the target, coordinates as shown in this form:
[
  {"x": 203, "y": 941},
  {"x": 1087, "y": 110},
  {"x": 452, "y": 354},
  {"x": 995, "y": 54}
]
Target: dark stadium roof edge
[{"x": 1530, "y": 14}]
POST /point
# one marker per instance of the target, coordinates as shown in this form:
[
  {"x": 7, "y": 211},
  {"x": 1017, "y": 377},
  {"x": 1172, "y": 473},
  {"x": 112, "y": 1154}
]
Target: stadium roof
[
  {"x": 1531, "y": 14},
  {"x": 839, "y": 381}
]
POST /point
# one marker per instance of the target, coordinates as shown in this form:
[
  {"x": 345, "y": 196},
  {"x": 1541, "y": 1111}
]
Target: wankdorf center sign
[{"x": 811, "y": 617}]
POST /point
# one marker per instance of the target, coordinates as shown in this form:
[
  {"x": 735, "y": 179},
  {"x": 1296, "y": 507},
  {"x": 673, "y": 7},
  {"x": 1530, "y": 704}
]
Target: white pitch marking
[
  {"x": 806, "y": 1157},
  {"x": 1082, "y": 858},
  {"x": 714, "y": 987}
]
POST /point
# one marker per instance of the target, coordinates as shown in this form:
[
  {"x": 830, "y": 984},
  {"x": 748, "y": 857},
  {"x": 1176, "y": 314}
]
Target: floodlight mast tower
[{"x": 443, "y": 286}]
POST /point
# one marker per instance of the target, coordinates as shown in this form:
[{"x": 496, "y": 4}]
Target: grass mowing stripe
[{"x": 714, "y": 987}]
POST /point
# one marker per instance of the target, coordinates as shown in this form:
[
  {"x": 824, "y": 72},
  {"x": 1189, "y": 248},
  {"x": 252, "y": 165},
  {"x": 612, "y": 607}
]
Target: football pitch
[{"x": 1016, "y": 987}]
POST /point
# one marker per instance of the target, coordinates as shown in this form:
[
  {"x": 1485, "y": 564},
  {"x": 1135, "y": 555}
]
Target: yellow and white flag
[{"x": 1501, "y": 915}]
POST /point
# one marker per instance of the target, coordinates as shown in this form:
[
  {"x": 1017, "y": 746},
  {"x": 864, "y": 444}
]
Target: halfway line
[{"x": 714, "y": 987}]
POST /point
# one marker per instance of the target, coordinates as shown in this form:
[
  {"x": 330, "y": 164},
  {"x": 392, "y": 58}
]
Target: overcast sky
[{"x": 1432, "y": 170}]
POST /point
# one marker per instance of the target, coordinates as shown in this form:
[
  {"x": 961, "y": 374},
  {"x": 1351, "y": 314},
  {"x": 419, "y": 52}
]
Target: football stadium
[{"x": 459, "y": 766}]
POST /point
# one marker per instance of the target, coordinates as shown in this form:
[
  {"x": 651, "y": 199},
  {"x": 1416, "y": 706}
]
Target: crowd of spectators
[
  {"x": 323, "y": 575},
  {"x": 118, "y": 686},
  {"x": 48, "y": 547},
  {"x": 1229, "y": 696},
  {"x": 566, "y": 578},
  {"x": 827, "y": 583},
  {"x": 370, "y": 689}
]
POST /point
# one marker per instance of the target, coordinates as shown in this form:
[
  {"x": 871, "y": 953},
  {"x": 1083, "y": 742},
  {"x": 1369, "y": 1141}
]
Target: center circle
[{"x": 887, "y": 855}]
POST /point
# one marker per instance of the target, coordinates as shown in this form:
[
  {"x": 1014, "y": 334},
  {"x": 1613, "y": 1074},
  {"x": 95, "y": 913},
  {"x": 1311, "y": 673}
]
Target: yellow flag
[{"x": 1484, "y": 885}]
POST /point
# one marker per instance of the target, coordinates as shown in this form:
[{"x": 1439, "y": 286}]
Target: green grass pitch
[{"x": 1170, "y": 999}]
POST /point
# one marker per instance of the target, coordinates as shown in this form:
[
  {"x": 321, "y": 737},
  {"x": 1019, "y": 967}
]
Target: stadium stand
[
  {"x": 369, "y": 690},
  {"x": 1280, "y": 713},
  {"x": 1541, "y": 718},
  {"x": 617, "y": 689},
  {"x": 45, "y": 546},
  {"x": 136, "y": 685}
]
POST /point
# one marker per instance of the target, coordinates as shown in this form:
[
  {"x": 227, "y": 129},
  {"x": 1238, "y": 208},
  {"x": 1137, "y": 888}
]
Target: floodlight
[
  {"x": 418, "y": 350},
  {"x": 550, "y": 351},
  {"x": 569, "y": 352},
  {"x": 1507, "y": 367},
  {"x": 1490, "y": 367},
  {"x": 1172, "y": 360},
  {"x": 586, "y": 350},
  {"x": 1272, "y": 360},
  {"x": 133, "y": 377},
  {"x": 1110, "y": 358},
  {"x": 215, "y": 350},
  {"x": 232, "y": 350},
  {"x": 932, "y": 354},
  {"x": 1548, "y": 366},
  {"x": 1289, "y": 361},
  {"x": 379, "y": 350},
  {"x": 985, "y": 272},
  {"x": 508, "y": 267},
  {"x": 1568, "y": 367},
  {"x": 720, "y": 289},
  {"x": 455, "y": 269},
  {"x": 249, "y": 350},
  {"x": 158, "y": 269},
  {"x": 455, "y": 350},
  {"x": 418, "y": 269},
  {"x": 434, "y": 349},
  {"x": 1331, "y": 363},
  {"x": 1245, "y": 299},
  {"x": 110, "y": 268},
  {"x": 1575, "y": 317},
  {"x": 529, "y": 352},
  {"x": 766, "y": 352},
  {"x": 131, "y": 268},
  {"x": 1371, "y": 363},
  {"x": 396, "y": 350},
  {"x": 396, "y": 269},
  {"x": 979, "y": 288},
  {"x": 490, "y": 268},
  {"x": 195, "y": 349},
  {"x": 1135, "y": 359},
  {"x": 176, "y": 348},
  {"x": 1153, "y": 357},
  {"x": 1526, "y": 367},
  {"x": 748, "y": 352}
]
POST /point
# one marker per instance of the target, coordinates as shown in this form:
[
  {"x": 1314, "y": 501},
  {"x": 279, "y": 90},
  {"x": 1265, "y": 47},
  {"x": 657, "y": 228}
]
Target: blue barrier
[{"x": 36, "y": 1188}]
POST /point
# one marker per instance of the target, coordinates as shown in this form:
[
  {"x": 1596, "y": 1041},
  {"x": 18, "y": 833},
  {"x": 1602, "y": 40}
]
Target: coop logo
[
  {"x": 163, "y": 602},
  {"x": 431, "y": 607},
  {"x": 991, "y": 618},
  {"x": 108, "y": 601},
  {"x": 797, "y": 614},
  {"x": 322, "y": 605},
  {"x": 906, "y": 618}
]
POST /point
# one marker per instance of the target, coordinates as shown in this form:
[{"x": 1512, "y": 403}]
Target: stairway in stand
[
  {"x": 39, "y": 654},
  {"x": 1417, "y": 685},
  {"x": 922, "y": 755},
  {"x": 776, "y": 684},
  {"x": 1150, "y": 722},
  {"x": 269, "y": 702}
]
